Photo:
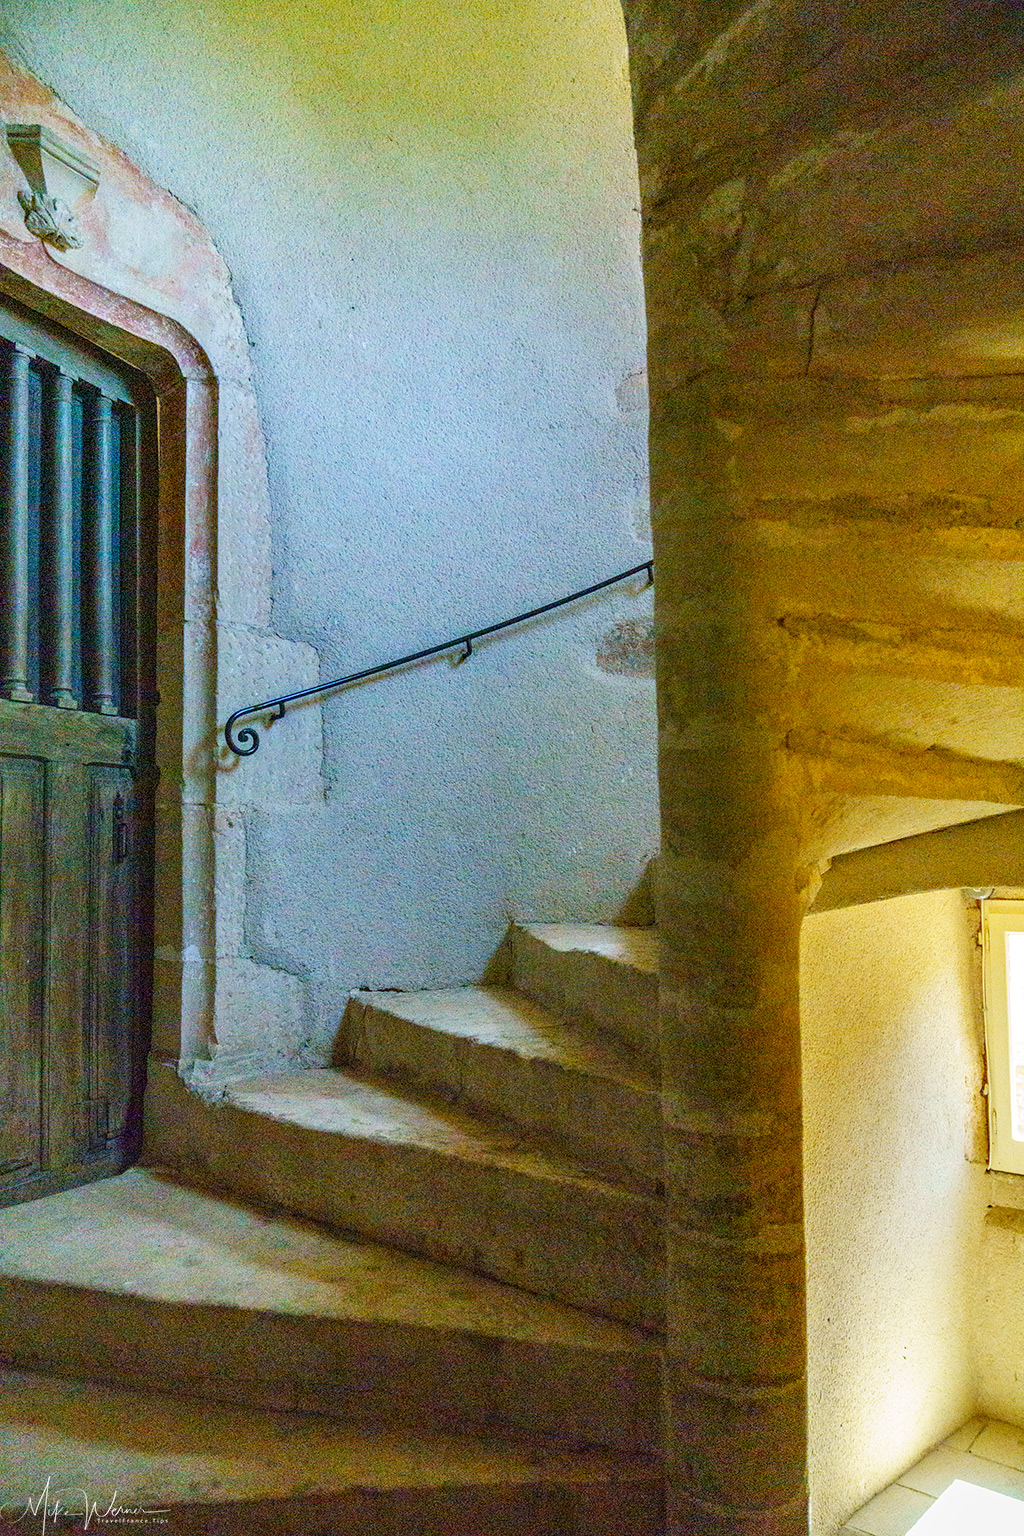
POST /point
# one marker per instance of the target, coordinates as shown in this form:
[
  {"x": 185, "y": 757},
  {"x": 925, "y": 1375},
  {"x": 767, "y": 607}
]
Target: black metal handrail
[{"x": 245, "y": 742}]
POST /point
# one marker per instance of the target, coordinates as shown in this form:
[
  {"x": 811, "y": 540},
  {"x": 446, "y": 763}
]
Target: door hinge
[{"x": 122, "y": 830}]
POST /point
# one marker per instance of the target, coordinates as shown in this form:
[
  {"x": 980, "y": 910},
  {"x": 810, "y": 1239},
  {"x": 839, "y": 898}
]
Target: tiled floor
[{"x": 982, "y": 1452}]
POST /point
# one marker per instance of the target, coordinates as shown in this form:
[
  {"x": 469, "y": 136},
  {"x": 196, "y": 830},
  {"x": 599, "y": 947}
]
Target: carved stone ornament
[
  {"x": 60, "y": 178},
  {"x": 50, "y": 220}
]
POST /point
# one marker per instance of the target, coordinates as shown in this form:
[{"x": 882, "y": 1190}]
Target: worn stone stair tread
[
  {"x": 497, "y": 1053},
  {"x": 145, "y": 1234},
  {"x": 502, "y": 1017},
  {"x": 140, "y": 1281},
  {"x": 601, "y": 976},
  {"x": 360, "y": 1106},
  {"x": 634, "y": 947},
  {"x": 277, "y": 1471},
  {"x": 356, "y": 1153}
]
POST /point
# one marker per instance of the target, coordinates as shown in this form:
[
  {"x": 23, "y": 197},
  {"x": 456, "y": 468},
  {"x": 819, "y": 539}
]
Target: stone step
[
  {"x": 492, "y": 1049},
  {"x": 357, "y": 1154},
  {"x": 142, "y": 1282},
  {"x": 226, "y": 1471},
  {"x": 596, "y": 975}
]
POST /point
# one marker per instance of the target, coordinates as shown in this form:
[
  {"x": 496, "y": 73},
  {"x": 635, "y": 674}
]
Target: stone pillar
[
  {"x": 730, "y": 913},
  {"x": 829, "y": 453}
]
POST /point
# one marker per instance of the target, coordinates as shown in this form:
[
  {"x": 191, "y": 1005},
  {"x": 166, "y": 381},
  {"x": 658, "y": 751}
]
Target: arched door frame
[{"x": 184, "y": 499}]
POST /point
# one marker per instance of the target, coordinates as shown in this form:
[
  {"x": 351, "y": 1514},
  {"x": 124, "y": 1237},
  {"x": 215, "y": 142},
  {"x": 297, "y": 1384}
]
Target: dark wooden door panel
[
  {"x": 67, "y": 954},
  {"x": 77, "y": 687},
  {"x": 68, "y": 963},
  {"x": 67, "y": 888},
  {"x": 22, "y": 1124},
  {"x": 66, "y": 736}
]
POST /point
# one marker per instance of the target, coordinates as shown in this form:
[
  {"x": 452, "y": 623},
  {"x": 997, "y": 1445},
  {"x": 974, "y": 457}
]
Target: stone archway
[
  {"x": 147, "y": 286},
  {"x": 185, "y": 515}
]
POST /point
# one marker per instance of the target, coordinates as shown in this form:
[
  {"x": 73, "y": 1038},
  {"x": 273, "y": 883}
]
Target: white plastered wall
[
  {"x": 892, "y": 1068},
  {"x": 431, "y": 220},
  {"x": 998, "y": 1302}
]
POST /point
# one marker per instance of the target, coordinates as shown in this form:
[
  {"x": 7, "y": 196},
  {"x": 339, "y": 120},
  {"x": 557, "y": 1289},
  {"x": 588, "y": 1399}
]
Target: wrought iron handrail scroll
[{"x": 245, "y": 742}]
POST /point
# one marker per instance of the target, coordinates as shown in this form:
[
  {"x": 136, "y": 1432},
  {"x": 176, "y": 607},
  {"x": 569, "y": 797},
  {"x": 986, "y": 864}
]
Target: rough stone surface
[
  {"x": 628, "y": 649},
  {"x": 360, "y": 1154},
  {"x": 140, "y": 1281},
  {"x": 236, "y": 1472},
  {"x": 977, "y": 854},
  {"x": 837, "y": 614},
  {"x": 491, "y": 1049},
  {"x": 597, "y": 975}
]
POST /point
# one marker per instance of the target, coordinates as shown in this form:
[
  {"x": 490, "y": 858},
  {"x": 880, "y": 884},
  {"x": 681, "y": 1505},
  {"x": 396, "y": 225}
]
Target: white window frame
[{"x": 998, "y": 918}]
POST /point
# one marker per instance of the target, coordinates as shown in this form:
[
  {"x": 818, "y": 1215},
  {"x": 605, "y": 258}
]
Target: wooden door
[{"x": 75, "y": 755}]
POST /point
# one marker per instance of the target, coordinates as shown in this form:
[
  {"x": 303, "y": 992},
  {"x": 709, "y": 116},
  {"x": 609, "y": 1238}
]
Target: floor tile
[
  {"x": 963, "y": 1439},
  {"x": 1002, "y": 1443},
  {"x": 890, "y": 1513},
  {"x": 936, "y": 1471}
]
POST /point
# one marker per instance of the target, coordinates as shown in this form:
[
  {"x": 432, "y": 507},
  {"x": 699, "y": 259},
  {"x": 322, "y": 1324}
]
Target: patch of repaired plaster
[
  {"x": 628, "y": 649},
  {"x": 631, "y": 393}
]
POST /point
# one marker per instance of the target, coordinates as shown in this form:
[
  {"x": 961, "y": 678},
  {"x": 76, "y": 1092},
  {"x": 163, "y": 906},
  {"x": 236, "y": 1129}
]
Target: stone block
[
  {"x": 937, "y": 175},
  {"x": 142, "y": 1282},
  {"x": 206, "y": 671},
  {"x": 243, "y": 512},
  {"x": 186, "y": 658},
  {"x": 231, "y": 1007},
  {"x": 694, "y": 328},
  {"x": 286, "y": 770},
  {"x": 431, "y": 1180},
  {"x": 200, "y": 878},
  {"x": 603, "y": 977},
  {"x": 880, "y": 180},
  {"x": 183, "y": 1005},
  {"x": 492, "y": 1051},
  {"x": 744, "y": 1448},
  {"x": 815, "y": 439},
  {"x": 229, "y": 880},
  {"x": 258, "y": 1011},
  {"x": 945, "y": 319}
]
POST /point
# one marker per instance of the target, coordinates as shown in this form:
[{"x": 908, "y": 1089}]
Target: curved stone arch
[
  {"x": 185, "y": 392},
  {"x": 148, "y": 286}
]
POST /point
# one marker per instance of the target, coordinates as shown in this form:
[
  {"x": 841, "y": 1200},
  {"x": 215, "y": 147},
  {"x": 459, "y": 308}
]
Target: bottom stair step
[
  {"x": 140, "y": 1282},
  {"x": 208, "y": 1470}
]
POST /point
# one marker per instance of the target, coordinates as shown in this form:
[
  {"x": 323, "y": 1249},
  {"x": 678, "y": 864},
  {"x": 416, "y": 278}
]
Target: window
[
  {"x": 1002, "y": 926},
  {"x": 967, "y": 1507}
]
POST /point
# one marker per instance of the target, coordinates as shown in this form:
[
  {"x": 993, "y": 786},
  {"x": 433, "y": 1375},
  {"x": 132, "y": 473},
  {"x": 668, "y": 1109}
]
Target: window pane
[{"x": 1015, "y": 1015}]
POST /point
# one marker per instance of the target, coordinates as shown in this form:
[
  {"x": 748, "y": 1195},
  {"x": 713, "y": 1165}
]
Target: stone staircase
[{"x": 420, "y": 1291}]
